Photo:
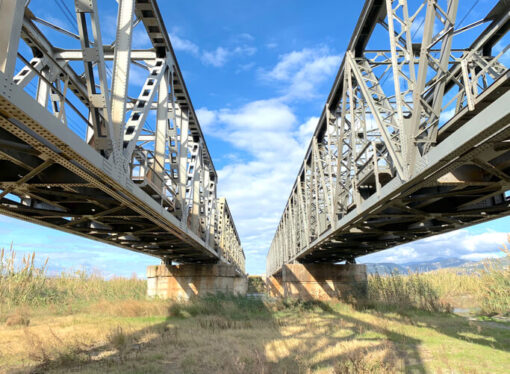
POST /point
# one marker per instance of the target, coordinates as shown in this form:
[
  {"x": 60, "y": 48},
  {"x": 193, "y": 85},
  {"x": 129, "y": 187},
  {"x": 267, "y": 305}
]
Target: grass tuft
[{"x": 18, "y": 317}]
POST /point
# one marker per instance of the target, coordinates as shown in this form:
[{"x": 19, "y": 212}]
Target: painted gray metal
[
  {"x": 414, "y": 139},
  {"x": 78, "y": 154}
]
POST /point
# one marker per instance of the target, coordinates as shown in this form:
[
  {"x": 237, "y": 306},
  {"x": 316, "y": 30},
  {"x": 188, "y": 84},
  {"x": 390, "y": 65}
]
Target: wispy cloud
[
  {"x": 181, "y": 44},
  {"x": 300, "y": 72},
  {"x": 219, "y": 56},
  {"x": 216, "y": 58}
]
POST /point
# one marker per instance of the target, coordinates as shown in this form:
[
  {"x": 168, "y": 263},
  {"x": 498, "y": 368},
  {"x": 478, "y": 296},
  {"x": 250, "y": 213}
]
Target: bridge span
[
  {"x": 414, "y": 139},
  {"x": 87, "y": 148}
]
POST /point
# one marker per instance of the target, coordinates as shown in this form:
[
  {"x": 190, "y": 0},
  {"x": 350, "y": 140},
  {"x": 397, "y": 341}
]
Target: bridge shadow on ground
[
  {"x": 229, "y": 334},
  {"x": 451, "y": 325}
]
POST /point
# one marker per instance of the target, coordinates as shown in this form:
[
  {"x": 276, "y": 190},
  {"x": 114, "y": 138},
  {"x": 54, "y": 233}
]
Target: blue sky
[{"x": 258, "y": 74}]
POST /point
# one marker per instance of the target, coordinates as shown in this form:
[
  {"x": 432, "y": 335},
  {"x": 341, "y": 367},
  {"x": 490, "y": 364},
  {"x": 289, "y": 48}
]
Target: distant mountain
[
  {"x": 501, "y": 262},
  {"x": 420, "y": 266}
]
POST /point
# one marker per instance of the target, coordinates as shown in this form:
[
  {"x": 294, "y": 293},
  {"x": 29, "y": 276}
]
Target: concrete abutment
[
  {"x": 318, "y": 281},
  {"x": 188, "y": 280}
]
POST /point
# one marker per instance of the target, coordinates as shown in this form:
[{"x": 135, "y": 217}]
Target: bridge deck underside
[
  {"x": 45, "y": 181},
  {"x": 469, "y": 183}
]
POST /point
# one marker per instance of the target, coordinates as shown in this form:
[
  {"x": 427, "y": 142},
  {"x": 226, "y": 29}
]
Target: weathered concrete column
[
  {"x": 274, "y": 286},
  {"x": 188, "y": 280},
  {"x": 319, "y": 281}
]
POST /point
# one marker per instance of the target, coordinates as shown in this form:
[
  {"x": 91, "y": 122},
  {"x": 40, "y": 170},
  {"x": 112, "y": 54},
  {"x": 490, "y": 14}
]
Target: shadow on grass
[
  {"x": 452, "y": 325},
  {"x": 232, "y": 334},
  {"x": 251, "y": 335}
]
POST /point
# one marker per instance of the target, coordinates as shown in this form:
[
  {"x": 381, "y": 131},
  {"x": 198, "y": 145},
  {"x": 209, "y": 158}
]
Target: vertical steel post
[
  {"x": 161, "y": 127},
  {"x": 11, "y": 19},
  {"x": 120, "y": 78}
]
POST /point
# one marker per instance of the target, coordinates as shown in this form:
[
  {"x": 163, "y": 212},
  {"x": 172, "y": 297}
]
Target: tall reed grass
[
  {"x": 23, "y": 283},
  {"x": 403, "y": 291},
  {"x": 495, "y": 287},
  {"x": 487, "y": 288}
]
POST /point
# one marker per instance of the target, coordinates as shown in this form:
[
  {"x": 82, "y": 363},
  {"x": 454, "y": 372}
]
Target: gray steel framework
[
  {"x": 414, "y": 139},
  {"x": 83, "y": 152}
]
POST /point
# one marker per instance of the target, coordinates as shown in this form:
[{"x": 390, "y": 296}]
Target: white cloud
[
  {"x": 245, "y": 67},
  {"x": 219, "y": 56},
  {"x": 206, "y": 118},
  {"x": 302, "y": 71},
  {"x": 273, "y": 140},
  {"x": 244, "y": 51},
  {"x": 306, "y": 130},
  {"x": 503, "y": 47},
  {"x": 216, "y": 58},
  {"x": 259, "y": 115},
  {"x": 140, "y": 39},
  {"x": 181, "y": 44},
  {"x": 271, "y": 136},
  {"x": 245, "y": 36},
  {"x": 461, "y": 243},
  {"x": 417, "y": 28}
]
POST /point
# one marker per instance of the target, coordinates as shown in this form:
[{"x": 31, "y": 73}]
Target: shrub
[{"x": 256, "y": 284}]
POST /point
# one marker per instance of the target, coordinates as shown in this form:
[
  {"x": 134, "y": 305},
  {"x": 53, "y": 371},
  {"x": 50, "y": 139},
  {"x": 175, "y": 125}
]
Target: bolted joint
[{"x": 84, "y": 6}]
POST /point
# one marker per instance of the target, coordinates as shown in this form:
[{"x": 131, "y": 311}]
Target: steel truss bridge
[
  {"x": 86, "y": 150},
  {"x": 414, "y": 139}
]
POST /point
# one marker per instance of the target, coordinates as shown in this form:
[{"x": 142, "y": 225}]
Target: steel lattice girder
[
  {"x": 384, "y": 167},
  {"x": 77, "y": 153}
]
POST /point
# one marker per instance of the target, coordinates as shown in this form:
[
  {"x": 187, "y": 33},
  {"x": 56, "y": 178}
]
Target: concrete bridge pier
[
  {"x": 318, "y": 281},
  {"x": 182, "y": 282}
]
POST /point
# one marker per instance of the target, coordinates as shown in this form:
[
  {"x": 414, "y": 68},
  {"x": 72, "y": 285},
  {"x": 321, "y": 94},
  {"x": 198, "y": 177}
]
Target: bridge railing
[
  {"x": 131, "y": 106},
  {"x": 388, "y": 108}
]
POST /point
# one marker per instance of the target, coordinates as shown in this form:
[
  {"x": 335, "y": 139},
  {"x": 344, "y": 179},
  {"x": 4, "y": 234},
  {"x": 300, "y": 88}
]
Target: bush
[{"x": 256, "y": 284}]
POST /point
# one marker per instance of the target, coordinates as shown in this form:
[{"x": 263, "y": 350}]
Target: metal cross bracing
[
  {"x": 414, "y": 139},
  {"x": 87, "y": 148}
]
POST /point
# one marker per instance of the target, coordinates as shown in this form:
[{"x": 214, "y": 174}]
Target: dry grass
[
  {"x": 18, "y": 317},
  {"x": 130, "y": 308},
  {"x": 228, "y": 334}
]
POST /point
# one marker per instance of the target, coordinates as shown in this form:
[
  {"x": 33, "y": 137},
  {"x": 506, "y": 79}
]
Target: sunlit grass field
[{"x": 79, "y": 322}]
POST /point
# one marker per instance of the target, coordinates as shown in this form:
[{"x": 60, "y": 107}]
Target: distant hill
[
  {"x": 435, "y": 264},
  {"x": 496, "y": 262}
]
